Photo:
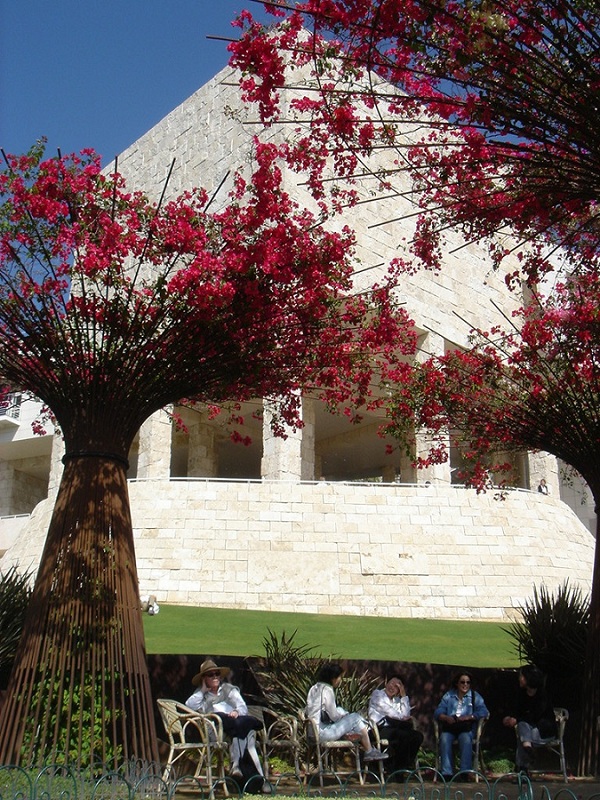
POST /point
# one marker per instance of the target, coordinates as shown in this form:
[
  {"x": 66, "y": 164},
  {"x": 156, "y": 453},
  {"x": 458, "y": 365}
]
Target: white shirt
[
  {"x": 321, "y": 697},
  {"x": 381, "y": 705},
  {"x": 227, "y": 698}
]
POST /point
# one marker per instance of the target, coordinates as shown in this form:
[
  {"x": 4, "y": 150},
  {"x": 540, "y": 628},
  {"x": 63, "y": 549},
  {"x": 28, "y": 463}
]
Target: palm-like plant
[
  {"x": 287, "y": 671},
  {"x": 15, "y": 591},
  {"x": 553, "y": 633}
]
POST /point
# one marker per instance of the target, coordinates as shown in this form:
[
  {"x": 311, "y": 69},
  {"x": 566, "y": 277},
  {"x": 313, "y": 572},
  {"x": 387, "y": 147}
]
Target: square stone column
[
  {"x": 154, "y": 450},
  {"x": 543, "y": 465},
  {"x": 56, "y": 465},
  {"x": 432, "y": 344},
  {"x": 202, "y": 455},
  {"x": 292, "y": 458}
]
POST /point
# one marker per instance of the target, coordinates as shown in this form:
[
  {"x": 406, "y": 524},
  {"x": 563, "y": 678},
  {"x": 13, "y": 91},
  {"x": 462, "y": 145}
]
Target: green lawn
[{"x": 221, "y": 631}]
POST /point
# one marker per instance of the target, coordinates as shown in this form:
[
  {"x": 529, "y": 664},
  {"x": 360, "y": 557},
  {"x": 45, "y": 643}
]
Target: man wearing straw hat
[{"x": 215, "y": 696}]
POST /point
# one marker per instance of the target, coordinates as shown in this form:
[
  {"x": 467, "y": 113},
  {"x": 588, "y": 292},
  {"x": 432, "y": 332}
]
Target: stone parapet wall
[{"x": 438, "y": 552}]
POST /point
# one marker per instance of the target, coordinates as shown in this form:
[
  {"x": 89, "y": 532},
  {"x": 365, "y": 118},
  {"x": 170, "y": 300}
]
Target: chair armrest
[
  {"x": 188, "y": 723},
  {"x": 481, "y": 725},
  {"x": 310, "y": 727},
  {"x": 561, "y": 715},
  {"x": 213, "y": 726},
  {"x": 282, "y": 727},
  {"x": 373, "y": 727}
]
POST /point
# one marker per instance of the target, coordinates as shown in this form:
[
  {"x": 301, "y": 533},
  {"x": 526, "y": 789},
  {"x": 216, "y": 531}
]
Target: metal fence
[{"x": 139, "y": 781}]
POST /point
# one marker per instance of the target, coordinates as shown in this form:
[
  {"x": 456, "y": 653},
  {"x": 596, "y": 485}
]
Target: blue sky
[{"x": 100, "y": 73}]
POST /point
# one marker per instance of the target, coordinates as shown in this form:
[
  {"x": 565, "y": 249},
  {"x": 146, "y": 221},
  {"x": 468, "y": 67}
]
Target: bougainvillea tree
[
  {"x": 111, "y": 308},
  {"x": 483, "y": 115},
  {"x": 533, "y": 383}
]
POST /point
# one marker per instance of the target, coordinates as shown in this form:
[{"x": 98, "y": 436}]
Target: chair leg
[
  {"x": 563, "y": 762},
  {"x": 361, "y": 776},
  {"x": 320, "y": 764}
]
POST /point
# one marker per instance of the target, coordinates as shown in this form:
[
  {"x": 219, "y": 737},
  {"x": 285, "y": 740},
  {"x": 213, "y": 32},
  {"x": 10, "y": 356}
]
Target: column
[
  {"x": 432, "y": 344},
  {"x": 154, "y": 453},
  {"x": 202, "y": 454},
  {"x": 56, "y": 464},
  {"x": 542, "y": 465},
  {"x": 292, "y": 458}
]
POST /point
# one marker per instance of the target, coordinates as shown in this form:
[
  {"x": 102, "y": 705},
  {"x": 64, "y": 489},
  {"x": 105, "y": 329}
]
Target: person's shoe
[
  {"x": 235, "y": 771},
  {"x": 375, "y": 755}
]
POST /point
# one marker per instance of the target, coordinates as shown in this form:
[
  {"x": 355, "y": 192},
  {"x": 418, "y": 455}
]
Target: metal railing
[
  {"x": 11, "y": 407},
  {"x": 139, "y": 781}
]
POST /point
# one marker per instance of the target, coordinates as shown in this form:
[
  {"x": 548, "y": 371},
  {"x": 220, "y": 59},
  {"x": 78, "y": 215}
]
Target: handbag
[
  {"x": 396, "y": 724},
  {"x": 460, "y": 726}
]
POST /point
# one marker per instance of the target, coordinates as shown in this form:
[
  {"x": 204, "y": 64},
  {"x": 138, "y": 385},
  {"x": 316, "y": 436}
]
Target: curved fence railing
[{"x": 138, "y": 781}]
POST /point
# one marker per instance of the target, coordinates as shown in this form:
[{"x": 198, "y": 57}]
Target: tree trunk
[
  {"x": 79, "y": 691},
  {"x": 589, "y": 763}
]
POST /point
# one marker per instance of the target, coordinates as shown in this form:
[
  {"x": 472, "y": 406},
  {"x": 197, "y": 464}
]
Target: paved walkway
[{"x": 504, "y": 788}]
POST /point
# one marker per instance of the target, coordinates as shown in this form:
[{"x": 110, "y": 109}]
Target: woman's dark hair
[
  {"x": 329, "y": 672},
  {"x": 458, "y": 675},
  {"x": 534, "y": 677}
]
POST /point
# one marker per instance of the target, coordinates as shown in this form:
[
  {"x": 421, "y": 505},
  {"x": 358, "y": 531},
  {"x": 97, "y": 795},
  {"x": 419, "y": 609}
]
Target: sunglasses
[
  {"x": 212, "y": 674},
  {"x": 467, "y": 682}
]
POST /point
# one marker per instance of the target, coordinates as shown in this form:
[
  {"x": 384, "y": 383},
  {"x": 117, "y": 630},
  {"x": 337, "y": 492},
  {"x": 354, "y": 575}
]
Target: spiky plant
[
  {"x": 553, "y": 633},
  {"x": 15, "y": 591},
  {"x": 287, "y": 671}
]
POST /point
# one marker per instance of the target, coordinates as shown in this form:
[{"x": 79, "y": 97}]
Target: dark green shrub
[
  {"x": 15, "y": 593},
  {"x": 553, "y": 634},
  {"x": 288, "y": 670}
]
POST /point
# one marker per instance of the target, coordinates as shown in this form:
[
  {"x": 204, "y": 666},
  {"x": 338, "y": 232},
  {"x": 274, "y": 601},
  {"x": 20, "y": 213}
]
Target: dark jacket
[{"x": 538, "y": 711}]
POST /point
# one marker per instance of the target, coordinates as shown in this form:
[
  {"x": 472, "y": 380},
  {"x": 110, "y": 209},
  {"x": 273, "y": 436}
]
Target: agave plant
[
  {"x": 287, "y": 671},
  {"x": 553, "y": 633},
  {"x": 15, "y": 591}
]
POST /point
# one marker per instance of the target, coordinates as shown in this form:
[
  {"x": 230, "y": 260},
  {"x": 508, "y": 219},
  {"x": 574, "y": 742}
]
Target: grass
[{"x": 232, "y": 632}]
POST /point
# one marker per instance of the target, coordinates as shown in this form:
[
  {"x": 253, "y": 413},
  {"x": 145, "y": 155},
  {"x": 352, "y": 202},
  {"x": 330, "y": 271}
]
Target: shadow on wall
[{"x": 171, "y": 676}]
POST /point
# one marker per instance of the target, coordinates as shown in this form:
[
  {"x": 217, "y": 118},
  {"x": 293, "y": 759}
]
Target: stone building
[{"x": 324, "y": 521}]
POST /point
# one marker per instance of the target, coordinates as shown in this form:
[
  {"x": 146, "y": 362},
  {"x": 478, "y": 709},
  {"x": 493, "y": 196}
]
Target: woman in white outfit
[{"x": 334, "y": 722}]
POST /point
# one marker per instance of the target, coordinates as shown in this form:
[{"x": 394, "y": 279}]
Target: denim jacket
[{"x": 472, "y": 703}]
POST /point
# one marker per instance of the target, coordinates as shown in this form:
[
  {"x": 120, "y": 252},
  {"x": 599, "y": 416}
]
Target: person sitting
[
  {"x": 533, "y": 716},
  {"x": 216, "y": 696},
  {"x": 389, "y": 709},
  {"x": 332, "y": 721},
  {"x": 458, "y": 712}
]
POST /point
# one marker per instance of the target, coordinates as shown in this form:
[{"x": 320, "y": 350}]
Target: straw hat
[{"x": 209, "y": 666}]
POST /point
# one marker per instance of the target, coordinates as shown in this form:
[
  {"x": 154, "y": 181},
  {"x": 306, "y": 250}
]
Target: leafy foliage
[
  {"x": 553, "y": 632},
  {"x": 288, "y": 670},
  {"x": 485, "y": 107},
  {"x": 81, "y": 723},
  {"x": 15, "y": 592},
  {"x": 103, "y": 288}
]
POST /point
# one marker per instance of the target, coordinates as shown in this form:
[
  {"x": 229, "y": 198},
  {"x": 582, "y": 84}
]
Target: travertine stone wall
[
  {"x": 211, "y": 133},
  {"x": 386, "y": 550},
  {"x": 19, "y": 489}
]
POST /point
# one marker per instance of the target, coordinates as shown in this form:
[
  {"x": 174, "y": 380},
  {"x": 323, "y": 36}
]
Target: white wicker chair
[{"x": 193, "y": 736}]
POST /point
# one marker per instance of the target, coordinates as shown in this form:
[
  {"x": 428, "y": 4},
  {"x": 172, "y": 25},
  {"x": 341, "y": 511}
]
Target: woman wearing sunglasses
[
  {"x": 214, "y": 695},
  {"x": 458, "y": 713}
]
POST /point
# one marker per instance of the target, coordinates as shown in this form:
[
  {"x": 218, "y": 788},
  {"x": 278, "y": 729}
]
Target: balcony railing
[{"x": 10, "y": 409}]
